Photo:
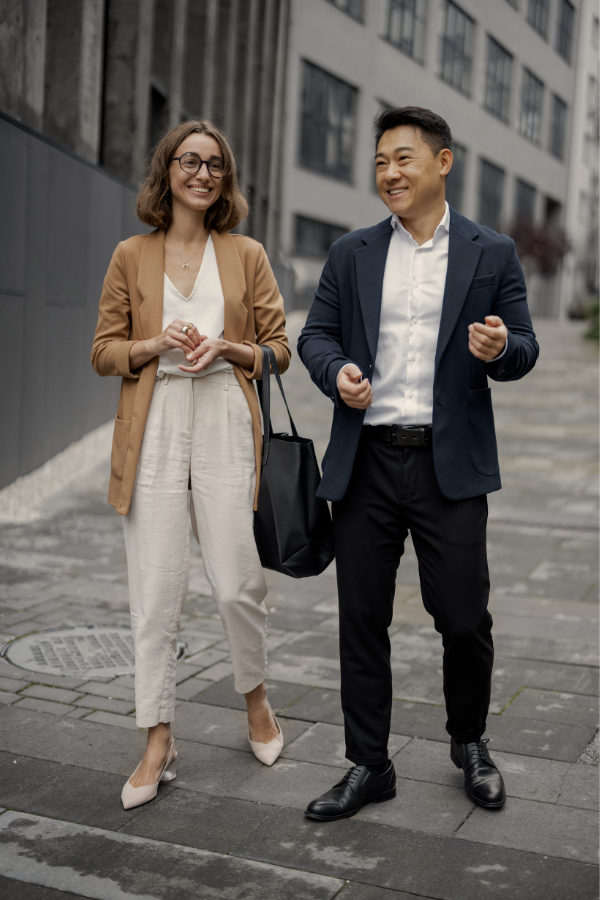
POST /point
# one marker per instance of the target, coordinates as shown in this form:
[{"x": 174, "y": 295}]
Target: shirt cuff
[{"x": 500, "y": 355}]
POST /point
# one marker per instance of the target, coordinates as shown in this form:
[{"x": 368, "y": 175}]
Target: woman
[{"x": 182, "y": 314}]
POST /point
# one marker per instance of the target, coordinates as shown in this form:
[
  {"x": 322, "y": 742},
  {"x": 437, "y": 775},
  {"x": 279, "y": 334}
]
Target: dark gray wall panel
[
  {"x": 11, "y": 330},
  {"x": 65, "y": 219},
  {"x": 13, "y": 186}
]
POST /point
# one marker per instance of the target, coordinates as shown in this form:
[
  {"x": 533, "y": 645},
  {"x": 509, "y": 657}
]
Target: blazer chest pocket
[
  {"x": 482, "y": 281},
  {"x": 482, "y": 432}
]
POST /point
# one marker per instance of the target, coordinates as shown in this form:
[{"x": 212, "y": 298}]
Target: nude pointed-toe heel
[
  {"x": 136, "y": 796},
  {"x": 268, "y": 753}
]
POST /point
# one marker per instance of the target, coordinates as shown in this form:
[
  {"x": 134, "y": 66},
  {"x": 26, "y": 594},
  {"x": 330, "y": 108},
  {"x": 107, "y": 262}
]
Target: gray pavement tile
[
  {"x": 67, "y": 682},
  {"x": 575, "y": 653},
  {"x": 114, "y": 690},
  {"x": 14, "y": 618},
  {"x": 44, "y": 706},
  {"x": 546, "y": 675},
  {"x": 113, "y": 719},
  {"x": 90, "y": 745},
  {"x": 528, "y": 777},
  {"x": 281, "y": 695},
  {"x": 11, "y": 889},
  {"x": 185, "y": 670},
  {"x": 207, "y": 658},
  {"x": 7, "y": 698},
  {"x": 311, "y": 643},
  {"x": 10, "y": 684},
  {"x": 580, "y": 787},
  {"x": 223, "y": 727},
  {"x": 356, "y": 891},
  {"x": 191, "y": 688},
  {"x": 78, "y": 713},
  {"x": 65, "y": 792},
  {"x": 533, "y": 737},
  {"x": 570, "y": 629},
  {"x": 326, "y": 744},
  {"x": 435, "y": 808},
  {"x": 126, "y": 681},
  {"x": 318, "y": 671},
  {"x": 26, "y": 627},
  {"x": 218, "y": 672},
  {"x": 43, "y": 692},
  {"x": 538, "y": 827},
  {"x": 106, "y": 865},
  {"x": 108, "y": 704},
  {"x": 199, "y": 820},
  {"x": 419, "y": 720},
  {"x": 551, "y": 706},
  {"x": 287, "y": 783},
  {"x": 293, "y": 619},
  {"x": 416, "y": 862},
  {"x": 212, "y": 770},
  {"x": 317, "y": 706}
]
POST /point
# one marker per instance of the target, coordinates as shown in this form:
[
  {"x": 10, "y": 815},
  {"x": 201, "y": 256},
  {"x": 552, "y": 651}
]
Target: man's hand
[
  {"x": 488, "y": 341},
  {"x": 354, "y": 390}
]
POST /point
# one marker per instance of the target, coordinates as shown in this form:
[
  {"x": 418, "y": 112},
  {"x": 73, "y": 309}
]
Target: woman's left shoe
[
  {"x": 268, "y": 753},
  {"x": 136, "y": 796}
]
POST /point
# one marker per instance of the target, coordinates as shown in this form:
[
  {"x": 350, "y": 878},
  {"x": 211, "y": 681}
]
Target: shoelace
[
  {"x": 479, "y": 751},
  {"x": 351, "y": 775}
]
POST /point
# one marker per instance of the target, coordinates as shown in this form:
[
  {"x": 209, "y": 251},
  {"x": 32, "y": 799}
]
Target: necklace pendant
[{"x": 185, "y": 265}]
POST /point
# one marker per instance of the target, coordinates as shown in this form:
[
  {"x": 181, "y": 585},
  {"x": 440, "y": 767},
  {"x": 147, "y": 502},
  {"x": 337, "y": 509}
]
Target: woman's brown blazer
[{"x": 131, "y": 308}]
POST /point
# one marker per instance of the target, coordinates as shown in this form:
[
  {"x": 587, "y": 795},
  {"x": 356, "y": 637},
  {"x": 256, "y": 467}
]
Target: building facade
[{"x": 503, "y": 73}]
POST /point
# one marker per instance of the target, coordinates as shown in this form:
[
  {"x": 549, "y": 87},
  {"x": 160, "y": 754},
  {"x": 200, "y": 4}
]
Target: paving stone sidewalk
[{"x": 229, "y": 828}]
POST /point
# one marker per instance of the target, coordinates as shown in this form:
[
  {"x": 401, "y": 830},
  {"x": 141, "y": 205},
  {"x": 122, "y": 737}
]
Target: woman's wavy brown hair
[{"x": 153, "y": 205}]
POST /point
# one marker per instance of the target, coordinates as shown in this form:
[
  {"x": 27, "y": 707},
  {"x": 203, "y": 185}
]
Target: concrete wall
[{"x": 61, "y": 221}]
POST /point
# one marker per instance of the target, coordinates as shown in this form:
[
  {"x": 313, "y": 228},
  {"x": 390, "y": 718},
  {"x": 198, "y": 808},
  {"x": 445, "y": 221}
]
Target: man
[{"x": 410, "y": 319}]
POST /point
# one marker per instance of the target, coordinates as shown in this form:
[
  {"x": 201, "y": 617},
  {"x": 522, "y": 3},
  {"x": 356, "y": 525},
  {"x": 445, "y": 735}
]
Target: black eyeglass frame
[{"x": 203, "y": 162}]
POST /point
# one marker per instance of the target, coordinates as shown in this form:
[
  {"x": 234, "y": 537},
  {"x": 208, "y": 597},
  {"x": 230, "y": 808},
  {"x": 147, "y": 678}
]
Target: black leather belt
[{"x": 400, "y": 435}]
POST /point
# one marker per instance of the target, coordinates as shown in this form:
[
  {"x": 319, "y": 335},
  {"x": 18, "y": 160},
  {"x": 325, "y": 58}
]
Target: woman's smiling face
[{"x": 201, "y": 190}]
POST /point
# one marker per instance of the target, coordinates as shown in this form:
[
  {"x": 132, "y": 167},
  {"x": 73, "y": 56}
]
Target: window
[
  {"x": 314, "y": 238},
  {"x": 595, "y": 32},
  {"x": 491, "y": 189},
  {"x": 498, "y": 78},
  {"x": 558, "y": 127},
  {"x": 537, "y": 16},
  {"x": 564, "y": 32},
  {"x": 328, "y": 123},
  {"x": 513, "y": 3},
  {"x": 525, "y": 201},
  {"x": 455, "y": 181},
  {"x": 531, "y": 106},
  {"x": 406, "y": 26},
  {"x": 353, "y": 8},
  {"x": 457, "y": 47}
]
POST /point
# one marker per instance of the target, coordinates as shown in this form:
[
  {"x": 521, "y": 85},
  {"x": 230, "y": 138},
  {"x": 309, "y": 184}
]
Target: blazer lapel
[
  {"x": 233, "y": 283},
  {"x": 463, "y": 257},
  {"x": 370, "y": 268},
  {"x": 150, "y": 283}
]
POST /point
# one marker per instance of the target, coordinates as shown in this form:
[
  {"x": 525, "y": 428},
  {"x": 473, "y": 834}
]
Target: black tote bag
[{"x": 292, "y": 526}]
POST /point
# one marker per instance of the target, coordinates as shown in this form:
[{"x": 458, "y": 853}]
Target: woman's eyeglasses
[{"x": 191, "y": 163}]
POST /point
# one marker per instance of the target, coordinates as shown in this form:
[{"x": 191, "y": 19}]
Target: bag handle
[{"x": 265, "y": 397}]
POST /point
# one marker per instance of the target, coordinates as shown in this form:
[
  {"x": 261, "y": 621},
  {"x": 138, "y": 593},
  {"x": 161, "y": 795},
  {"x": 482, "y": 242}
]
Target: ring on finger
[{"x": 184, "y": 329}]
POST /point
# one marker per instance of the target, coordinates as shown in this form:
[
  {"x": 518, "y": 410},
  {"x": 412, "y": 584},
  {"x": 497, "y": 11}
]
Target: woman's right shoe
[
  {"x": 136, "y": 796},
  {"x": 268, "y": 753}
]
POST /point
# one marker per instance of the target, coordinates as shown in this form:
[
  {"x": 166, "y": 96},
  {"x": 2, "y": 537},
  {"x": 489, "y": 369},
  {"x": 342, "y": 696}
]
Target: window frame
[
  {"x": 534, "y": 133},
  {"x": 419, "y": 19},
  {"x": 561, "y": 107},
  {"x": 565, "y": 8},
  {"x": 358, "y": 16},
  {"x": 462, "y": 167},
  {"x": 485, "y": 181},
  {"x": 521, "y": 187},
  {"x": 344, "y": 136},
  {"x": 505, "y": 86},
  {"x": 538, "y": 15},
  {"x": 299, "y": 250},
  {"x": 466, "y": 53}
]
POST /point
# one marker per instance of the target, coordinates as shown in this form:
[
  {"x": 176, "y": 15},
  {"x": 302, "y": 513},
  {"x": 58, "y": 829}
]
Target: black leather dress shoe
[
  {"x": 483, "y": 781},
  {"x": 348, "y": 796}
]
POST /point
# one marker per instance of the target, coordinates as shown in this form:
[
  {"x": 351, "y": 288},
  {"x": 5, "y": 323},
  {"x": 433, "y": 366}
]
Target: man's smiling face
[{"x": 410, "y": 179}]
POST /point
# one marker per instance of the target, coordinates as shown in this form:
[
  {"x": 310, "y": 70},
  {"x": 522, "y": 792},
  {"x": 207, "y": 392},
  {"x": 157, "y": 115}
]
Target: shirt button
[
  {"x": 414, "y": 321},
  {"x": 413, "y": 359}
]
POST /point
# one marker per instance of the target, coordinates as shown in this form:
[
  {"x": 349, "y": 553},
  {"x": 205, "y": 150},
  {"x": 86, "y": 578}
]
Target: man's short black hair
[{"x": 434, "y": 130}]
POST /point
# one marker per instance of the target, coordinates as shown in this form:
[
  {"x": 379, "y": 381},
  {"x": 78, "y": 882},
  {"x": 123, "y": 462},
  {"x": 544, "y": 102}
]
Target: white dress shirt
[{"x": 204, "y": 308}]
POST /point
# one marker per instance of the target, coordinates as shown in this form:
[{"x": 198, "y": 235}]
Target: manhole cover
[{"x": 95, "y": 651}]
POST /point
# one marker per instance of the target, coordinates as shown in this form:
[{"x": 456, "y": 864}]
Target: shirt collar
[{"x": 443, "y": 227}]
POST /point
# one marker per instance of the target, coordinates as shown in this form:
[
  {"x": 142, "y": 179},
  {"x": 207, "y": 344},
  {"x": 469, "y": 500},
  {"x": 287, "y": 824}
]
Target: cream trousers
[{"x": 202, "y": 427}]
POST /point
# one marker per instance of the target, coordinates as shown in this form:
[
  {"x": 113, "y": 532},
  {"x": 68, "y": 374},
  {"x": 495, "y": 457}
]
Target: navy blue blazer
[{"x": 484, "y": 277}]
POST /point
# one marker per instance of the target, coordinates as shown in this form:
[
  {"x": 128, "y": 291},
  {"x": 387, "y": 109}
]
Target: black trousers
[{"x": 394, "y": 490}]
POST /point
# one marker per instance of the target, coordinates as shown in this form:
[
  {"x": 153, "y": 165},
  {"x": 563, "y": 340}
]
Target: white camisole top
[{"x": 204, "y": 308}]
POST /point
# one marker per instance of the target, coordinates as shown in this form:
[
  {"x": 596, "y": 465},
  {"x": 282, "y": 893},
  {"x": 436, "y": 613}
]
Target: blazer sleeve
[
  {"x": 110, "y": 350},
  {"x": 510, "y": 304},
  {"x": 320, "y": 342},
  {"x": 269, "y": 319}
]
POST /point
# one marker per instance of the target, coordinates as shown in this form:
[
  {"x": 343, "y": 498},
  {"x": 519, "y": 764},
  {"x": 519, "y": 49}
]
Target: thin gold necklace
[{"x": 186, "y": 262}]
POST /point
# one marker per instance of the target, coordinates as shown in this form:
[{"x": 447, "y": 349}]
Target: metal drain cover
[{"x": 96, "y": 651}]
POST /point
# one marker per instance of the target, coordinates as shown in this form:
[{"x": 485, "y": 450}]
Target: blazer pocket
[
  {"x": 482, "y": 432},
  {"x": 482, "y": 281},
  {"x": 119, "y": 447}
]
